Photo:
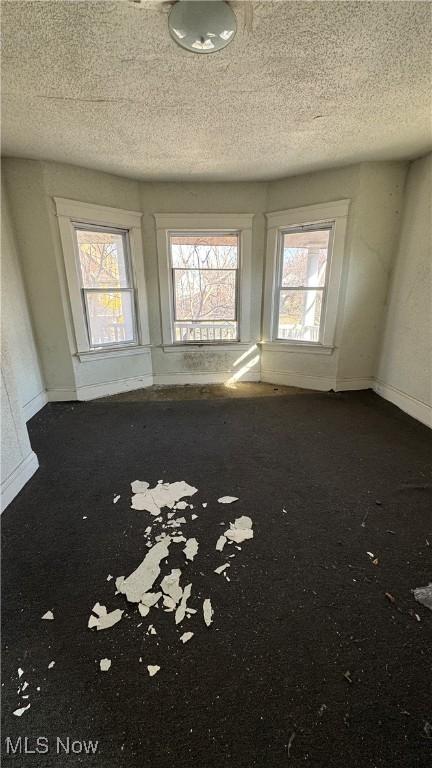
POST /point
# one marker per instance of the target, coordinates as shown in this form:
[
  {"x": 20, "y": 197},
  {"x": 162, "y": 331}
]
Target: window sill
[
  {"x": 235, "y": 346},
  {"x": 106, "y": 354},
  {"x": 298, "y": 346}
]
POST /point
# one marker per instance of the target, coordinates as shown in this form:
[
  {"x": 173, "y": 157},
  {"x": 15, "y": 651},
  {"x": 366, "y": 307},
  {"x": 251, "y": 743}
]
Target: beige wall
[
  {"x": 404, "y": 370},
  {"x": 376, "y": 194},
  {"x": 21, "y": 381}
]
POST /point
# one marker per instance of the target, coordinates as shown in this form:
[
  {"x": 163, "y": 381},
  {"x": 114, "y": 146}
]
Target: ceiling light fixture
[{"x": 202, "y": 26}]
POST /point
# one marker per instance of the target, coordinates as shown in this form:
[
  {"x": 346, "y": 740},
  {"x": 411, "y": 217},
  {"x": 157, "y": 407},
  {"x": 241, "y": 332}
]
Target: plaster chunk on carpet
[
  {"x": 153, "y": 669},
  {"x": 221, "y": 543},
  {"x": 21, "y": 710},
  {"x": 171, "y": 587},
  {"x": 423, "y": 595},
  {"x": 208, "y": 611},
  {"x": 240, "y": 530},
  {"x": 103, "y": 619},
  {"x": 48, "y": 615},
  {"x": 104, "y": 665},
  {"x": 191, "y": 549},
  {"x": 186, "y": 636},
  {"x": 222, "y": 568},
  {"x": 162, "y": 495},
  {"x": 142, "y": 579},
  {"x": 227, "y": 499},
  {"x": 181, "y": 610}
]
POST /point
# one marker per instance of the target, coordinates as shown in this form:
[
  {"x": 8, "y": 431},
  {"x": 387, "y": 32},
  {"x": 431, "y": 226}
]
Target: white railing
[
  {"x": 203, "y": 332},
  {"x": 299, "y": 332}
]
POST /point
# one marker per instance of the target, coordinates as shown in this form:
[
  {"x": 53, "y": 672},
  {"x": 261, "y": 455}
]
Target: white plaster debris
[
  {"x": 51, "y": 664},
  {"x": 222, "y": 568},
  {"x": 143, "y": 609},
  {"x": 194, "y": 517},
  {"x": 227, "y": 499},
  {"x": 178, "y": 539},
  {"x": 180, "y": 520},
  {"x": 151, "y": 630},
  {"x": 204, "y": 504},
  {"x": 115, "y": 499},
  {"x": 240, "y": 530},
  {"x": 423, "y": 595},
  {"x": 139, "y": 486},
  {"x": 142, "y": 579},
  {"x": 48, "y": 615},
  {"x": 169, "y": 603},
  {"x": 21, "y": 710},
  {"x": 104, "y": 619},
  {"x": 85, "y": 517},
  {"x": 208, "y": 611},
  {"x": 181, "y": 505},
  {"x": 171, "y": 587},
  {"x": 20, "y": 672},
  {"x": 24, "y": 685},
  {"x": 150, "y": 598},
  {"x": 162, "y": 495},
  {"x": 191, "y": 549},
  {"x": 104, "y": 665},
  {"x": 186, "y": 636},
  {"x": 153, "y": 669},
  {"x": 109, "y": 577},
  {"x": 181, "y": 610},
  {"x": 221, "y": 543}
]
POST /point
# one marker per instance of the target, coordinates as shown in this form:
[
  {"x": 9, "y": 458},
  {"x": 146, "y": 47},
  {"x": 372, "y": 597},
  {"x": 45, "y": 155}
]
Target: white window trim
[
  {"x": 335, "y": 213},
  {"x": 213, "y": 222},
  {"x": 70, "y": 211}
]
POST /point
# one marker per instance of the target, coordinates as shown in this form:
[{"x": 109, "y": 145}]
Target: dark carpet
[{"x": 307, "y": 661}]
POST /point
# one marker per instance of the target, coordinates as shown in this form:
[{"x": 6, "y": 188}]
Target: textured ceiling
[{"x": 303, "y": 86}]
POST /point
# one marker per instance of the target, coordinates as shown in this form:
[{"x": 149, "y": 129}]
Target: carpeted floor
[{"x": 307, "y": 661}]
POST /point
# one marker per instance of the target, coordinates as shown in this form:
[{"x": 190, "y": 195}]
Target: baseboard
[
  {"x": 34, "y": 405},
  {"x": 415, "y": 408},
  {"x": 61, "y": 394},
  {"x": 345, "y": 385},
  {"x": 297, "y": 379},
  {"x": 106, "y": 388},
  {"x": 201, "y": 377},
  {"x": 17, "y": 480}
]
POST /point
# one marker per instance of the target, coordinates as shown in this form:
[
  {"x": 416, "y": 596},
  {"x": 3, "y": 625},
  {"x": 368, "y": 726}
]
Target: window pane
[
  {"x": 102, "y": 259},
  {"x": 205, "y": 251},
  {"x": 203, "y": 332},
  {"x": 207, "y": 294},
  {"x": 305, "y": 258},
  {"x": 300, "y": 315},
  {"x": 110, "y": 317}
]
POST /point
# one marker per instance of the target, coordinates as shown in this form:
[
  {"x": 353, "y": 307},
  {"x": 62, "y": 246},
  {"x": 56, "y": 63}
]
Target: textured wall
[
  {"x": 15, "y": 320},
  {"x": 405, "y": 361}
]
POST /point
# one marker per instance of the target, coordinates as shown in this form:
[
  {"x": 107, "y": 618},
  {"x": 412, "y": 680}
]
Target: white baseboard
[
  {"x": 106, "y": 388},
  {"x": 415, "y": 408},
  {"x": 17, "y": 479},
  {"x": 201, "y": 377},
  {"x": 34, "y": 405},
  {"x": 297, "y": 379},
  {"x": 345, "y": 385},
  {"x": 61, "y": 394}
]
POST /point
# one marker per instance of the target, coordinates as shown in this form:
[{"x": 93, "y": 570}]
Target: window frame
[
  {"x": 216, "y": 224},
  {"x": 322, "y": 226},
  {"x": 73, "y": 215},
  {"x": 237, "y": 270},
  {"x": 131, "y": 290},
  {"x": 278, "y": 223}
]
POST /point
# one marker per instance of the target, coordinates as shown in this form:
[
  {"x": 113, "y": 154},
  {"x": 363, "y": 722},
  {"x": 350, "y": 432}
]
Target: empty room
[{"x": 216, "y": 404}]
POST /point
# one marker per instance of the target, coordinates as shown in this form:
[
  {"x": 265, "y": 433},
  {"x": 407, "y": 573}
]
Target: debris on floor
[
  {"x": 423, "y": 595},
  {"x": 227, "y": 499},
  {"x": 103, "y": 619},
  {"x": 152, "y": 669},
  {"x": 240, "y": 530},
  {"x": 162, "y": 495},
  {"x": 208, "y": 611},
  {"x": 48, "y": 615},
  {"x": 104, "y": 665},
  {"x": 21, "y": 710},
  {"x": 186, "y": 636}
]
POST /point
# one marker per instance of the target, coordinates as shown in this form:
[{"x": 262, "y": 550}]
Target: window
[
  {"x": 303, "y": 276},
  {"x": 107, "y": 291},
  {"x": 204, "y": 262},
  {"x": 205, "y": 286},
  {"x": 303, "y": 260}
]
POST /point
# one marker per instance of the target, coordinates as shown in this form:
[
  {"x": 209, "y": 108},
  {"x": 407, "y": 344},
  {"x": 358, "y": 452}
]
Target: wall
[
  {"x": 16, "y": 322},
  {"x": 22, "y": 389},
  {"x": 375, "y": 191},
  {"x": 404, "y": 369}
]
